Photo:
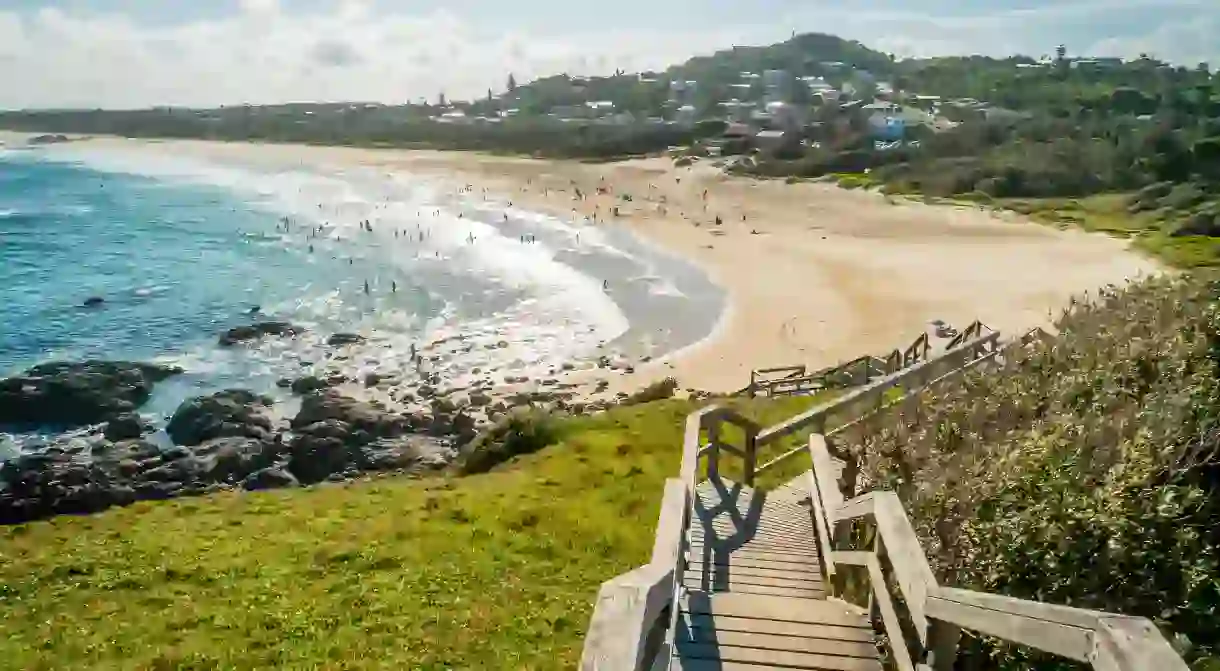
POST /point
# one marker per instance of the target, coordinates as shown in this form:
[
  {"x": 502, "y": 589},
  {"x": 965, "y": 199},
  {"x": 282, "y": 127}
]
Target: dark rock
[
  {"x": 126, "y": 426},
  {"x": 76, "y": 394},
  {"x": 309, "y": 383},
  {"x": 412, "y": 453},
  {"x": 258, "y": 330},
  {"x": 340, "y": 339},
  {"x": 184, "y": 470},
  {"x": 229, "y": 413},
  {"x": 371, "y": 379},
  {"x": 478, "y": 399},
  {"x": 126, "y": 450},
  {"x": 269, "y": 478},
  {"x": 233, "y": 459},
  {"x": 324, "y": 405},
  {"x": 35, "y": 486},
  {"x": 283, "y": 383},
  {"x": 93, "y": 301},
  {"x": 313, "y": 458}
]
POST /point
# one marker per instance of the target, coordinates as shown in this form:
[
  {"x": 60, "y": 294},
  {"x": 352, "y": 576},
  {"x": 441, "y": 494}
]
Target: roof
[{"x": 765, "y": 134}]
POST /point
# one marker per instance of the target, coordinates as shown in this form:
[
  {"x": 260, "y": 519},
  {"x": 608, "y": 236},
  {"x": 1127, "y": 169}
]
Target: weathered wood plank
[
  {"x": 692, "y": 664},
  {"x": 731, "y": 582},
  {"x": 753, "y": 563},
  {"x": 774, "y": 608},
  {"x": 745, "y": 588},
  {"x": 670, "y": 523},
  {"x": 626, "y": 608},
  {"x": 824, "y": 477},
  {"x": 773, "y": 658},
  {"x": 1075, "y": 617},
  {"x": 867, "y": 395},
  {"x": 759, "y": 555},
  {"x": 726, "y": 623},
  {"x": 1053, "y": 637},
  {"x": 716, "y": 547},
  {"x": 727, "y": 574},
  {"x": 821, "y": 519},
  {"x": 817, "y": 646},
  {"x": 750, "y": 573},
  {"x": 1133, "y": 644},
  {"x": 893, "y": 629},
  {"x": 907, "y": 559}
]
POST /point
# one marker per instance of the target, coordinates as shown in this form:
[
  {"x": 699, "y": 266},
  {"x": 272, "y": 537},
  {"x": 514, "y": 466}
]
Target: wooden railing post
[
  {"x": 713, "y": 454},
  {"x": 942, "y": 645},
  {"x": 751, "y": 450}
]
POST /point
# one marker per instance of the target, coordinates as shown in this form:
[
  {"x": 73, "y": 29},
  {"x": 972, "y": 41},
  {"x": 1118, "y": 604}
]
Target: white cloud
[{"x": 348, "y": 51}]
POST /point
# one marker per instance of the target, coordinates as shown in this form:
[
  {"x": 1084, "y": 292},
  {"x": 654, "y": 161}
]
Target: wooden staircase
[
  {"x": 754, "y": 597},
  {"x": 746, "y": 580}
]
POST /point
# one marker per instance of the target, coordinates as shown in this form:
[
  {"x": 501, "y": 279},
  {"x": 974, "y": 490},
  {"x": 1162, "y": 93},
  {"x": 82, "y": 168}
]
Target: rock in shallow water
[
  {"x": 229, "y": 413},
  {"x": 78, "y": 393},
  {"x": 124, "y": 427},
  {"x": 258, "y": 330}
]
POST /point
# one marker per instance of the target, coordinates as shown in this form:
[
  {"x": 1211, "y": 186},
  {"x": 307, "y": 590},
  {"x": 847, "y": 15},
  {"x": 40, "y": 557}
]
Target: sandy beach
[{"x": 815, "y": 274}]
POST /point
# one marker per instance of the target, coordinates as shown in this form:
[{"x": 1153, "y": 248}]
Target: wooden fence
[
  {"x": 633, "y": 615},
  {"x": 793, "y": 380}
]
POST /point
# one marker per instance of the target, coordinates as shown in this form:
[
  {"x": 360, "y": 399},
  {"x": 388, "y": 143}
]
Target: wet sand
[{"x": 814, "y": 274}]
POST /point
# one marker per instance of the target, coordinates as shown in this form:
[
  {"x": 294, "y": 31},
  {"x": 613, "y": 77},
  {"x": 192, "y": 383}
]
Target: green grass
[
  {"x": 494, "y": 571},
  {"x": 1108, "y": 214}
]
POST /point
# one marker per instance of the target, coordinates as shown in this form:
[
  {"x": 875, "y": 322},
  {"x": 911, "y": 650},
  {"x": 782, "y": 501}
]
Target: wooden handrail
[
  {"x": 869, "y": 394},
  {"x": 1106, "y": 641},
  {"x": 628, "y": 613}
]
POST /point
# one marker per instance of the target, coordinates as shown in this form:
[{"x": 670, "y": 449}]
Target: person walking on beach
[{"x": 366, "y": 286}]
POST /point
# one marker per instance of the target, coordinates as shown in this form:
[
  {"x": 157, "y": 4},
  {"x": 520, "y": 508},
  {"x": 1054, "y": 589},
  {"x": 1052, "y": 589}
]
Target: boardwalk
[
  {"x": 754, "y": 594},
  {"x": 746, "y": 580}
]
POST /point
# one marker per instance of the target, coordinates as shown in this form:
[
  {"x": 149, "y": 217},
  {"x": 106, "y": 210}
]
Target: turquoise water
[{"x": 183, "y": 248}]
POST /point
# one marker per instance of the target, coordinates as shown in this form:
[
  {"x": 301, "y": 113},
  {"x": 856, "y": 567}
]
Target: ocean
[{"x": 182, "y": 248}]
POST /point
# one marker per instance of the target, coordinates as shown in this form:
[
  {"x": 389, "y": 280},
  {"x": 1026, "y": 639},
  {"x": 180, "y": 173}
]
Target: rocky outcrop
[
  {"x": 269, "y": 478},
  {"x": 340, "y": 339},
  {"x": 225, "y": 414},
  {"x": 359, "y": 415},
  {"x": 126, "y": 426},
  {"x": 74, "y": 394},
  {"x": 258, "y": 330}
]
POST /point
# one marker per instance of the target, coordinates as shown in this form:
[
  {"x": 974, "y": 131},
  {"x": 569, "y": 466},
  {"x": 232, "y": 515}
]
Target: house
[{"x": 776, "y": 140}]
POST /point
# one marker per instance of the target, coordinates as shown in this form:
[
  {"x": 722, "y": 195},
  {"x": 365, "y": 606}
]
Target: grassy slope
[{"x": 493, "y": 571}]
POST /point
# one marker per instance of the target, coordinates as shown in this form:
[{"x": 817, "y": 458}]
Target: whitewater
[{"x": 182, "y": 248}]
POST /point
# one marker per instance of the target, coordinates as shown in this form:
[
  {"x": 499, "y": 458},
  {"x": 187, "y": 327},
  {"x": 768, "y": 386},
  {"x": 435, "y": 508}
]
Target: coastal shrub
[
  {"x": 1082, "y": 472},
  {"x": 521, "y": 432},
  {"x": 657, "y": 391}
]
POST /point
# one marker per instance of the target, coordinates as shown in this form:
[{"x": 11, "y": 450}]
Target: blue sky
[{"x": 128, "y": 53}]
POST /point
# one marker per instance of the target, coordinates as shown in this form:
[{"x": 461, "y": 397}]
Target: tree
[
  {"x": 512, "y": 83},
  {"x": 1060, "y": 53},
  {"x": 440, "y": 99}
]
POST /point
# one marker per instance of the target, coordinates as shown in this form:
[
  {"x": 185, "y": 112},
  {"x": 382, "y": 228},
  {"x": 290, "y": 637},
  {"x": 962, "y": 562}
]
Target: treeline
[{"x": 361, "y": 127}]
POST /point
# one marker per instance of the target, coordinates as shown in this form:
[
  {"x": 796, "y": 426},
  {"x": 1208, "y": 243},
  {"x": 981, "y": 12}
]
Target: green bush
[
  {"x": 1083, "y": 472},
  {"x": 521, "y": 432},
  {"x": 657, "y": 391}
]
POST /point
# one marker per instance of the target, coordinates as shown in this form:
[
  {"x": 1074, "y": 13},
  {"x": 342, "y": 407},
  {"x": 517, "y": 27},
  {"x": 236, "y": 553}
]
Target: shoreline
[{"x": 812, "y": 273}]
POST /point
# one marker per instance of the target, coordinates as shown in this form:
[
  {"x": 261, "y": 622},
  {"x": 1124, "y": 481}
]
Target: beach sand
[{"x": 815, "y": 274}]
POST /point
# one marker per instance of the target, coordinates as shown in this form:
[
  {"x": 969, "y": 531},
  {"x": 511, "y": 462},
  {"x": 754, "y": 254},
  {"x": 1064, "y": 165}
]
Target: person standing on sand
[{"x": 366, "y": 286}]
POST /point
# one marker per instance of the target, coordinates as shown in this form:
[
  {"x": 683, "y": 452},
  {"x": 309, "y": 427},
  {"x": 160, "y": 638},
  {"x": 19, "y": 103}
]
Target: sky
[{"x": 139, "y": 53}]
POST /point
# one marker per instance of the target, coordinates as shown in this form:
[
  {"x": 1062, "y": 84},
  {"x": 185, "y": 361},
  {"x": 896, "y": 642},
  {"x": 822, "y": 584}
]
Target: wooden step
[
  {"x": 774, "y": 608},
  {"x": 731, "y": 658},
  {"x": 701, "y": 636},
  {"x": 727, "y": 623},
  {"x": 812, "y": 577}
]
